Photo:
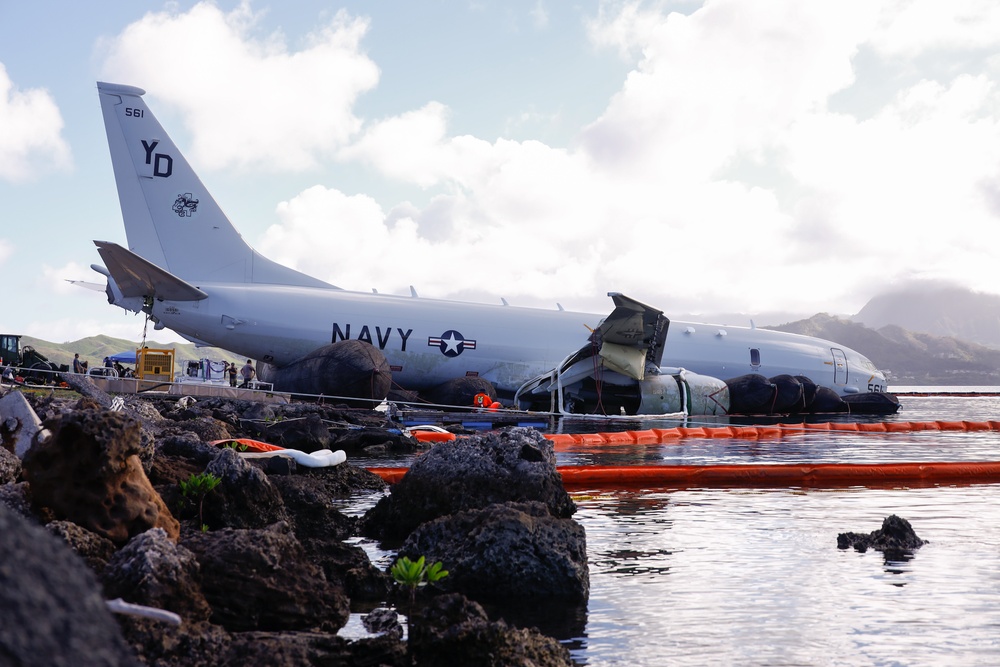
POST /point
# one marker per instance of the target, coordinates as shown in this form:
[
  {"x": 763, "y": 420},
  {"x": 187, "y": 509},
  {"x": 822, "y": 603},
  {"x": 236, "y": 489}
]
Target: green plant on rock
[
  {"x": 197, "y": 486},
  {"x": 416, "y": 573}
]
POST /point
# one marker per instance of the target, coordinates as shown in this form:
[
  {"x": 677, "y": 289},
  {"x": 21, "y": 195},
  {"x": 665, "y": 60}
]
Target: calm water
[{"x": 754, "y": 577}]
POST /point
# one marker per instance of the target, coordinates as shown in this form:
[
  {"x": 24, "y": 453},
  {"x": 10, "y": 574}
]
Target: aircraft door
[{"x": 839, "y": 366}]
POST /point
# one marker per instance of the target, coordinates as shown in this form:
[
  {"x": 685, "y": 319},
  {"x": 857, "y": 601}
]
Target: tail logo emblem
[
  {"x": 452, "y": 343},
  {"x": 185, "y": 205}
]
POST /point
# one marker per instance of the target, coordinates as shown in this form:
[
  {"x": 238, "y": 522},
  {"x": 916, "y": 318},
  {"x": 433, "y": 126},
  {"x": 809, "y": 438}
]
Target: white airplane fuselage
[
  {"x": 429, "y": 341},
  {"x": 187, "y": 266}
]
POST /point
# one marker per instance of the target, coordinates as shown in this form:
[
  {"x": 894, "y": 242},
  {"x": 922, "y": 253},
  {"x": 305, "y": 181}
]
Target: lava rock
[
  {"x": 896, "y": 539},
  {"x": 506, "y": 551},
  {"x": 88, "y": 472},
  {"x": 515, "y": 464},
  {"x": 451, "y": 630},
  {"x": 52, "y": 611}
]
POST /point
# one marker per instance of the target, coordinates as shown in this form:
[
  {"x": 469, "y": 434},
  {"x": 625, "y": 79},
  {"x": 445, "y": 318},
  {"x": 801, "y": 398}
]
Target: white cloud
[
  {"x": 717, "y": 178},
  {"x": 248, "y": 99},
  {"x": 30, "y": 132},
  {"x": 908, "y": 28}
]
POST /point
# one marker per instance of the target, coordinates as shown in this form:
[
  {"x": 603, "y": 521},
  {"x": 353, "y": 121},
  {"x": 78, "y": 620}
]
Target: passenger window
[{"x": 754, "y": 358}]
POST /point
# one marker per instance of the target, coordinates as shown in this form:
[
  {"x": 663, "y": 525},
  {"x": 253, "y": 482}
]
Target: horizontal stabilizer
[{"x": 137, "y": 277}]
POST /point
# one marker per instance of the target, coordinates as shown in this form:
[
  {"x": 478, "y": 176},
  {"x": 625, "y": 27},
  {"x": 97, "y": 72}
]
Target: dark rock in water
[
  {"x": 348, "y": 368},
  {"x": 514, "y": 464},
  {"x": 245, "y": 497},
  {"x": 872, "y": 403},
  {"x": 308, "y": 433},
  {"x": 896, "y": 539},
  {"x": 788, "y": 396},
  {"x": 321, "y": 529},
  {"x": 89, "y": 472},
  {"x": 52, "y": 611},
  {"x": 505, "y": 551},
  {"x": 827, "y": 401},
  {"x": 751, "y": 394},
  {"x": 459, "y": 391},
  {"x": 451, "y": 630},
  {"x": 262, "y": 580},
  {"x": 383, "y": 621}
]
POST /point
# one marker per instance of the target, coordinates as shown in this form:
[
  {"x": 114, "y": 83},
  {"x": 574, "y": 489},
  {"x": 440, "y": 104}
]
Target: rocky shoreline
[{"x": 258, "y": 569}]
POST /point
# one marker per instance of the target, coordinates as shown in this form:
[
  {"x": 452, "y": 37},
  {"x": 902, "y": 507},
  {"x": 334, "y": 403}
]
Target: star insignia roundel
[{"x": 451, "y": 343}]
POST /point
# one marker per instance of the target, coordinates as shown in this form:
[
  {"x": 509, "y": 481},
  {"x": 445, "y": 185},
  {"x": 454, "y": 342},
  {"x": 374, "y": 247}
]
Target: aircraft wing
[
  {"x": 137, "y": 277},
  {"x": 97, "y": 287},
  {"x": 632, "y": 336}
]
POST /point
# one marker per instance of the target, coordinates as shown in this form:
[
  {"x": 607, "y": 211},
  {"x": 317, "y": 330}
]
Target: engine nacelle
[{"x": 679, "y": 390}]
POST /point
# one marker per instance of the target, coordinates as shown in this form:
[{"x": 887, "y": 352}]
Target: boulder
[
  {"x": 451, "y": 630},
  {"x": 506, "y": 551},
  {"x": 95, "y": 550},
  {"x": 244, "y": 498},
  {"x": 52, "y": 611},
  {"x": 514, "y": 464},
  {"x": 896, "y": 539},
  {"x": 88, "y": 472},
  {"x": 262, "y": 580},
  {"x": 153, "y": 570}
]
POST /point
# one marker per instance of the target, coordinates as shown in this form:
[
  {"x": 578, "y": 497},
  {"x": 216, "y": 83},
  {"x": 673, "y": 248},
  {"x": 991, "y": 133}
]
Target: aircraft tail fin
[{"x": 170, "y": 218}]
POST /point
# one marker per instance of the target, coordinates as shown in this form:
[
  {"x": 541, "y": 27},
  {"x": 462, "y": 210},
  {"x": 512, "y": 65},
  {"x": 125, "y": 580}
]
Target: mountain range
[{"x": 921, "y": 334}]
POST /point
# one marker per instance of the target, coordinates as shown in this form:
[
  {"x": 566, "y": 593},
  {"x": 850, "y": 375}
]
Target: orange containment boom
[
  {"x": 821, "y": 475},
  {"x": 668, "y": 435}
]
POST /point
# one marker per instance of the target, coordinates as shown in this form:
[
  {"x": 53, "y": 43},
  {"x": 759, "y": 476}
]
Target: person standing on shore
[
  {"x": 247, "y": 372},
  {"x": 231, "y": 370}
]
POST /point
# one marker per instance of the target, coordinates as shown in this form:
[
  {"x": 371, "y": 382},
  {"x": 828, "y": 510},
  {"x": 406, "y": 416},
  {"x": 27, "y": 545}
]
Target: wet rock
[
  {"x": 262, "y": 580},
  {"x": 89, "y": 472},
  {"x": 286, "y": 649},
  {"x": 309, "y": 498},
  {"x": 307, "y": 434},
  {"x": 51, "y": 608},
  {"x": 896, "y": 539},
  {"x": 451, "y": 630},
  {"x": 513, "y": 550},
  {"x": 245, "y": 497},
  {"x": 515, "y": 464},
  {"x": 153, "y": 570},
  {"x": 95, "y": 550},
  {"x": 362, "y": 440},
  {"x": 383, "y": 621}
]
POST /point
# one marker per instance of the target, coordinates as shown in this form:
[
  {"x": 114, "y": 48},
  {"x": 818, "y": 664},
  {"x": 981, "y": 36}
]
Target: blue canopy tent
[{"x": 127, "y": 357}]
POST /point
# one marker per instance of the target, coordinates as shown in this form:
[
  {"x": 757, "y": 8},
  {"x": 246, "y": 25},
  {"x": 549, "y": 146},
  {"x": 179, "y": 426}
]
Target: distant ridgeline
[{"x": 95, "y": 348}]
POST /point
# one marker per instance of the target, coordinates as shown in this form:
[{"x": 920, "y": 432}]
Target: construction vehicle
[{"x": 27, "y": 363}]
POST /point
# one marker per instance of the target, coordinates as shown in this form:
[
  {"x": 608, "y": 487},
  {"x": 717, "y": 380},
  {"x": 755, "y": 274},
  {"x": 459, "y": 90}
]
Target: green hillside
[{"x": 94, "y": 348}]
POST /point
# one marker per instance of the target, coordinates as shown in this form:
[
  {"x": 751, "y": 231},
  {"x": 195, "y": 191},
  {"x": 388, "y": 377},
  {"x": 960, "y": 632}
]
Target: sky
[{"x": 719, "y": 156}]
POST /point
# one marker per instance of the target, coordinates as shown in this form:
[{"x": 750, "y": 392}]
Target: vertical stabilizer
[{"x": 170, "y": 218}]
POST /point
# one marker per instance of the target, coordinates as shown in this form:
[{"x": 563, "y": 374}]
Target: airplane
[{"x": 187, "y": 268}]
